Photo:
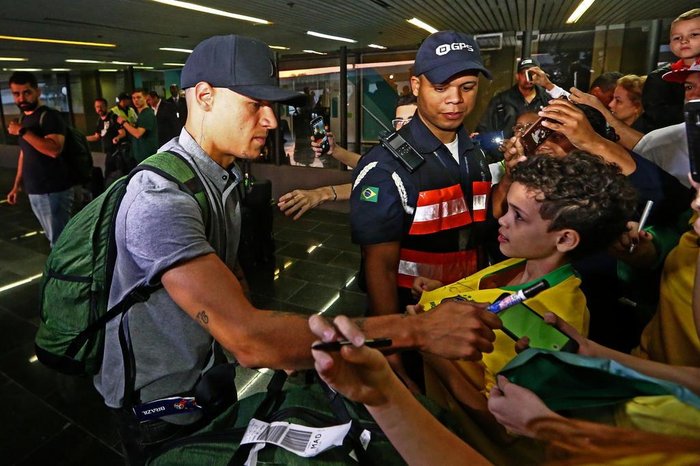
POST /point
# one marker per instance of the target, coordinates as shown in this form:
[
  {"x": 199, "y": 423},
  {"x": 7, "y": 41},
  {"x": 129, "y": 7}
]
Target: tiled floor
[{"x": 47, "y": 418}]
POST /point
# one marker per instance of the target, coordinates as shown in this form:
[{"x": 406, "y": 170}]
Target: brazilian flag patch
[{"x": 369, "y": 194}]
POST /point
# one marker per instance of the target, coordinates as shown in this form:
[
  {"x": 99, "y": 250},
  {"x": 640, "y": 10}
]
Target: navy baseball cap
[
  {"x": 446, "y": 53},
  {"x": 526, "y": 63},
  {"x": 242, "y": 64}
]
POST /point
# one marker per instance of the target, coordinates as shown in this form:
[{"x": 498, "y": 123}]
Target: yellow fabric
[
  {"x": 661, "y": 414},
  {"x": 564, "y": 299},
  {"x": 671, "y": 336}
]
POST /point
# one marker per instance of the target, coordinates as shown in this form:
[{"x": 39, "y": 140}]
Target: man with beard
[
  {"x": 107, "y": 130},
  {"x": 41, "y": 170}
]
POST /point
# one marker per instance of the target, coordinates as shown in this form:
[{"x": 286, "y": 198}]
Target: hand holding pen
[{"x": 642, "y": 223}]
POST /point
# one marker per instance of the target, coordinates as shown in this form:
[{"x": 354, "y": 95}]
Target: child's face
[
  {"x": 685, "y": 38},
  {"x": 523, "y": 231}
]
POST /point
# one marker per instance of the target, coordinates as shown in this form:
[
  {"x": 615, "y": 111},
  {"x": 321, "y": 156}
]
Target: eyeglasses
[
  {"x": 397, "y": 123},
  {"x": 521, "y": 128}
]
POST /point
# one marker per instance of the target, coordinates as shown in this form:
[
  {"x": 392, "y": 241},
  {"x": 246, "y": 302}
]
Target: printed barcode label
[
  {"x": 301, "y": 440},
  {"x": 296, "y": 440},
  {"x": 275, "y": 433}
]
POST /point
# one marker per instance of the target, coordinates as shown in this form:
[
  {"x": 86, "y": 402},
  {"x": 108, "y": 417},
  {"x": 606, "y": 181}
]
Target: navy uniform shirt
[{"x": 384, "y": 195}]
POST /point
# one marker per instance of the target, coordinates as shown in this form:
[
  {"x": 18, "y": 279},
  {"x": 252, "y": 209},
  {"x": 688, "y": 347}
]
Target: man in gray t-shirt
[{"x": 230, "y": 84}]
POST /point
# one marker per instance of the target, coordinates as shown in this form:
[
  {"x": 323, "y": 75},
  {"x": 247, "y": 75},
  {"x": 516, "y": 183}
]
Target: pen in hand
[
  {"x": 336, "y": 345},
  {"x": 642, "y": 222}
]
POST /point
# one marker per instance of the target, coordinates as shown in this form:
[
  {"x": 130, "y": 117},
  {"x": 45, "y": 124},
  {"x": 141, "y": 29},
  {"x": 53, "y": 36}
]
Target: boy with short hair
[{"x": 559, "y": 209}]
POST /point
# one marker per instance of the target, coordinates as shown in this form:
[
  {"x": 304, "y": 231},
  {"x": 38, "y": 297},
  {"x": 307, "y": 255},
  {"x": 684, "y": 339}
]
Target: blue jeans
[{"x": 53, "y": 210}]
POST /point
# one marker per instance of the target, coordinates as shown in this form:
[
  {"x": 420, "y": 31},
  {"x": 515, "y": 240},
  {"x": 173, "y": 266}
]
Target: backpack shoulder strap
[{"x": 176, "y": 168}]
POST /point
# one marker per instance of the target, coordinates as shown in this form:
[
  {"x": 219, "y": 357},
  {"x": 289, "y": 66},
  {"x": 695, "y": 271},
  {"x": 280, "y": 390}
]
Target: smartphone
[
  {"x": 521, "y": 321},
  {"x": 490, "y": 141},
  {"x": 535, "y": 136},
  {"x": 692, "y": 128},
  {"x": 528, "y": 76},
  {"x": 318, "y": 131}
]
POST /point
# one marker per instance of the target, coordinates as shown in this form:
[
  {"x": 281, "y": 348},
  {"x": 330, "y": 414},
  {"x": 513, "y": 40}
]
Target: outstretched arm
[
  {"x": 629, "y": 137},
  {"x": 684, "y": 375},
  {"x": 209, "y": 293},
  {"x": 299, "y": 201},
  {"x": 363, "y": 375}
]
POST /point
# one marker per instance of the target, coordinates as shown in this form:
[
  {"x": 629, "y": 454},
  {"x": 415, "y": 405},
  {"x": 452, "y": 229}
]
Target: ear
[
  {"x": 567, "y": 240},
  {"x": 415, "y": 85},
  {"x": 204, "y": 95}
]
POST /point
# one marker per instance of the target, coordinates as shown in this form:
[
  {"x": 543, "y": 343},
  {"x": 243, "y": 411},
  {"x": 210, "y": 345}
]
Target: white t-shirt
[{"x": 454, "y": 148}]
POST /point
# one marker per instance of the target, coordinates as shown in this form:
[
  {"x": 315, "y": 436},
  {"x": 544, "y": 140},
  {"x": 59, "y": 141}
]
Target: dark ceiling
[{"x": 140, "y": 27}]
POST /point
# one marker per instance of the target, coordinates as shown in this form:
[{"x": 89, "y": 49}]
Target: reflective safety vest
[{"x": 438, "y": 211}]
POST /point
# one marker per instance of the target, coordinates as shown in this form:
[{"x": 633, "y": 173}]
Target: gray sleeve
[{"x": 163, "y": 226}]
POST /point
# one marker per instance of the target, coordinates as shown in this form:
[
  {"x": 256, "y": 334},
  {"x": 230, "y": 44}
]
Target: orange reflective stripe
[
  {"x": 448, "y": 267},
  {"x": 439, "y": 210}
]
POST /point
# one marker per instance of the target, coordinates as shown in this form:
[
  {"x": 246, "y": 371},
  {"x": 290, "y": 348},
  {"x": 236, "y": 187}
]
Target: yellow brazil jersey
[
  {"x": 671, "y": 336},
  {"x": 563, "y": 297}
]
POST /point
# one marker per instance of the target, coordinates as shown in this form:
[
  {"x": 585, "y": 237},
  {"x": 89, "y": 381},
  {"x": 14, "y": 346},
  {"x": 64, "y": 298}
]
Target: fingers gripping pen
[{"x": 518, "y": 297}]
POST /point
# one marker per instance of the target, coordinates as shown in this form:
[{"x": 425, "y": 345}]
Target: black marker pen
[{"x": 336, "y": 345}]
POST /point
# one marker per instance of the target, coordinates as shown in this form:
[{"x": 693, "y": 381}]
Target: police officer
[{"x": 430, "y": 222}]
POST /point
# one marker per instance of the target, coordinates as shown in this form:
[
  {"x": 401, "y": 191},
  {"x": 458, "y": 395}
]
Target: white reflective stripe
[
  {"x": 363, "y": 173},
  {"x": 402, "y": 193},
  {"x": 442, "y": 210},
  {"x": 408, "y": 268},
  {"x": 480, "y": 202}
]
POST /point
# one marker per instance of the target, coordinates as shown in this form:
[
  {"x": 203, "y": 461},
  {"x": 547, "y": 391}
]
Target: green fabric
[
  {"x": 146, "y": 145},
  {"x": 78, "y": 271},
  {"x": 566, "y": 381},
  {"x": 307, "y": 405}
]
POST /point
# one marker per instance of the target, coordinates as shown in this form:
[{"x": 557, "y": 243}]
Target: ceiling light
[
  {"x": 124, "y": 63},
  {"x": 313, "y": 51},
  {"x": 173, "y": 49},
  {"x": 422, "y": 25},
  {"x": 579, "y": 11},
  {"x": 107, "y": 70},
  {"x": 80, "y": 60},
  {"x": 58, "y": 41},
  {"x": 174, "y": 64},
  {"x": 143, "y": 67},
  {"x": 278, "y": 47},
  {"x": 23, "y": 69},
  {"x": 375, "y": 46},
  {"x": 328, "y": 36},
  {"x": 60, "y": 69},
  {"x": 13, "y": 59},
  {"x": 211, "y": 11}
]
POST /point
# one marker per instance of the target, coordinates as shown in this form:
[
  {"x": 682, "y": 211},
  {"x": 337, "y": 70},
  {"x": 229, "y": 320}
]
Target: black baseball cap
[
  {"x": 526, "y": 63},
  {"x": 447, "y": 53},
  {"x": 124, "y": 96},
  {"x": 242, "y": 64}
]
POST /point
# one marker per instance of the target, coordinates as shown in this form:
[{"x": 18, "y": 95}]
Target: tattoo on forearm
[
  {"x": 360, "y": 323},
  {"x": 202, "y": 317}
]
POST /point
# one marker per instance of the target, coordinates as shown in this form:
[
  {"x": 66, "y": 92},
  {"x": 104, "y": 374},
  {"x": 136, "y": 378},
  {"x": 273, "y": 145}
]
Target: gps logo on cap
[{"x": 444, "y": 49}]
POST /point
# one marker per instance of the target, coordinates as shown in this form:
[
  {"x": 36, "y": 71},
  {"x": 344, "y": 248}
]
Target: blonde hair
[
  {"x": 634, "y": 85},
  {"x": 690, "y": 14},
  {"x": 572, "y": 442}
]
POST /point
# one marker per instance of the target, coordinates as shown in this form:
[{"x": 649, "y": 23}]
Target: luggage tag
[
  {"x": 165, "y": 407},
  {"x": 301, "y": 440}
]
